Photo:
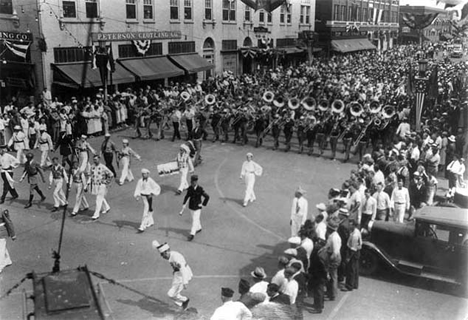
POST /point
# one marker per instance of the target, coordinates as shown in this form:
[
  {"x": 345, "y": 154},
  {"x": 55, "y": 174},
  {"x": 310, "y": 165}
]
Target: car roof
[{"x": 454, "y": 217}]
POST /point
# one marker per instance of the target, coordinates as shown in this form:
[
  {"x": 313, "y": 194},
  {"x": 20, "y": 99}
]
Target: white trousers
[
  {"x": 80, "y": 199},
  {"x": 126, "y": 171},
  {"x": 4, "y": 255},
  {"x": 20, "y": 156},
  {"x": 249, "y": 180},
  {"x": 296, "y": 224},
  {"x": 101, "y": 202},
  {"x": 400, "y": 210},
  {"x": 147, "y": 220},
  {"x": 183, "y": 179},
  {"x": 59, "y": 195},
  {"x": 45, "y": 158},
  {"x": 176, "y": 289},
  {"x": 83, "y": 161},
  {"x": 196, "y": 225}
]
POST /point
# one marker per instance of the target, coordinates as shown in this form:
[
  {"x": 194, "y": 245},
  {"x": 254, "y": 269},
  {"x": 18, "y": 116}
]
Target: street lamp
[{"x": 420, "y": 82}]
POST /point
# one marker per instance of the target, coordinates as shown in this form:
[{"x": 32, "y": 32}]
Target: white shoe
[{"x": 245, "y": 204}]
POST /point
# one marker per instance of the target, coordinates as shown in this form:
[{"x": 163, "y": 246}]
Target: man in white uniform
[
  {"x": 400, "y": 201},
  {"x": 44, "y": 142},
  {"x": 57, "y": 177},
  {"x": 100, "y": 178},
  {"x": 18, "y": 142},
  {"x": 298, "y": 212},
  {"x": 250, "y": 169},
  {"x": 182, "y": 274},
  {"x": 7, "y": 164},
  {"x": 145, "y": 189},
  {"x": 231, "y": 310}
]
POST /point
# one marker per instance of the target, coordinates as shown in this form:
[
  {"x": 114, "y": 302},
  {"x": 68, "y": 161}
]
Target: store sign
[
  {"x": 127, "y": 36},
  {"x": 260, "y": 30},
  {"x": 15, "y": 36}
]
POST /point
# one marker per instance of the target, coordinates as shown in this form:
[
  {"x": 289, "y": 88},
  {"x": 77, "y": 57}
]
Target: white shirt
[
  {"x": 280, "y": 280},
  {"x": 454, "y": 166},
  {"x": 321, "y": 229},
  {"x": 299, "y": 208},
  {"x": 8, "y": 162},
  {"x": 378, "y": 177},
  {"x": 251, "y": 167},
  {"x": 148, "y": 187},
  {"x": 401, "y": 196},
  {"x": 415, "y": 154},
  {"x": 308, "y": 245},
  {"x": 292, "y": 288},
  {"x": 232, "y": 310},
  {"x": 260, "y": 286},
  {"x": 181, "y": 269}
]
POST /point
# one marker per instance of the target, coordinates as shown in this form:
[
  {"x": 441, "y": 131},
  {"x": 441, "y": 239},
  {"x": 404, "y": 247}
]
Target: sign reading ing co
[
  {"x": 127, "y": 36},
  {"x": 15, "y": 36}
]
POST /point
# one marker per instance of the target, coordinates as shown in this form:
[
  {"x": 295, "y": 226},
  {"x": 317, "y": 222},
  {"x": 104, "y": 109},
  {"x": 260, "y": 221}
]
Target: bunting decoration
[
  {"x": 142, "y": 46},
  {"x": 418, "y": 21},
  {"x": 267, "y": 5},
  {"x": 18, "y": 49},
  {"x": 352, "y": 27},
  {"x": 248, "y": 52}
]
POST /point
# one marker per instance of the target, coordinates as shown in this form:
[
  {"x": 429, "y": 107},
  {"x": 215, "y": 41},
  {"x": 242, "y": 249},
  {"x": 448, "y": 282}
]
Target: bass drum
[{"x": 250, "y": 127}]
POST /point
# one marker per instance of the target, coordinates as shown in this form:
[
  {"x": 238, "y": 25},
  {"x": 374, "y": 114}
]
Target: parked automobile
[
  {"x": 457, "y": 51},
  {"x": 433, "y": 246}
]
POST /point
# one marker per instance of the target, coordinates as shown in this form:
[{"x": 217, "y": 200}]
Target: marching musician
[
  {"x": 202, "y": 117},
  {"x": 216, "y": 123},
  {"x": 260, "y": 124},
  {"x": 276, "y": 130},
  {"x": 362, "y": 145},
  {"x": 334, "y": 134},
  {"x": 310, "y": 132},
  {"x": 225, "y": 121},
  {"x": 175, "y": 116},
  {"x": 189, "y": 116},
  {"x": 301, "y": 134},
  {"x": 197, "y": 135},
  {"x": 321, "y": 131},
  {"x": 351, "y": 132},
  {"x": 288, "y": 130}
]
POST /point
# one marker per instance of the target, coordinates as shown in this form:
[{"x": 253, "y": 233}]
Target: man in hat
[
  {"x": 182, "y": 273},
  {"x": 32, "y": 169},
  {"x": 194, "y": 196},
  {"x": 353, "y": 250},
  {"x": 78, "y": 178},
  {"x": 369, "y": 209},
  {"x": 343, "y": 232},
  {"x": 260, "y": 284},
  {"x": 145, "y": 189},
  {"x": 18, "y": 142},
  {"x": 108, "y": 150},
  {"x": 100, "y": 178},
  {"x": 333, "y": 256},
  {"x": 249, "y": 170},
  {"x": 383, "y": 202},
  {"x": 184, "y": 162},
  {"x": 7, "y": 164},
  {"x": 298, "y": 212},
  {"x": 231, "y": 309},
  {"x": 58, "y": 176},
  {"x": 417, "y": 193},
  {"x": 44, "y": 143},
  {"x": 401, "y": 202}
]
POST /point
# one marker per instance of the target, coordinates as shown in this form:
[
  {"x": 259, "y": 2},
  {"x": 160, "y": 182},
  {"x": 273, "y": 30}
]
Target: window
[
  {"x": 129, "y": 50},
  {"x": 131, "y": 9},
  {"x": 208, "y": 10},
  {"x": 285, "y": 42},
  {"x": 261, "y": 16},
  {"x": 148, "y": 9},
  {"x": 282, "y": 11},
  {"x": 289, "y": 15},
  {"x": 350, "y": 14},
  {"x": 229, "y": 45},
  {"x": 181, "y": 47},
  {"x": 269, "y": 17},
  {"x": 6, "y": 6},
  {"x": 336, "y": 12},
  {"x": 174, "y": 6},
  {"x": 72, "y": 54},
  {"x": 364, "y": 14},
  {"x": 343, "y": 13},
  {"x": 247, "y": 14},
  {"x": 91, "y": 9},
  {"x": 69, "y": 9},
  {"x": 229, "y": 10},
  {"x": 188, "y": 9},
  {"x": 305, "y": 15}
]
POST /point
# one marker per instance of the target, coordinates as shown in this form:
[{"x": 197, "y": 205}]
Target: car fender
[{"x": 366, "y": 245}]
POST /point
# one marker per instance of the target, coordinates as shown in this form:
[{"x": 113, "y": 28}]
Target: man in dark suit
[
  {"x": 276, "y": 296},
  {"x": 195, "y": 194}
]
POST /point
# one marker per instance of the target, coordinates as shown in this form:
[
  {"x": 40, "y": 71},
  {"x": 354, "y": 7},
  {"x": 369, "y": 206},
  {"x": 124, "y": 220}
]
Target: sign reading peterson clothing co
[
  {"x": 16, "y": 36},
  {"x": 126, "y": 36}
]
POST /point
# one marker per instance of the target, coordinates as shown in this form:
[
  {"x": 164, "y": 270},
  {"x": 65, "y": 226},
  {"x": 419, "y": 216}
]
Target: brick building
[{"x": 154, "y": 40}]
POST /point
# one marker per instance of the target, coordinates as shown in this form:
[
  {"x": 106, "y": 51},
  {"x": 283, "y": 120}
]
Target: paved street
[{"x": 234, "y": 240}]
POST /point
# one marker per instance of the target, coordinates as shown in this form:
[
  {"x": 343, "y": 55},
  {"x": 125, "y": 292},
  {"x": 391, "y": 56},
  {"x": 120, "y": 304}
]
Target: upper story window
[
  {"x": 6, "y": 6},
  {"x": 289, "y": 14},
  {"x": 269, "y": 17},
  {"x": 131, "y": 9},
  {"x": 69, "y": 9},
  {"x": 229, "y": 10},
  {"x": 174, "y": 4},
  {"x": 247, "y": 14},
  {"x": 261, "y": 16},
  {"x": 91, "y": 9},
  {"x": 282, "y": 13},
  {"x": 181, "y": 47},
  {"x": 188, "y": 9},
  {"x": 305, "y": 15},
  {"x": 208, "y": 10},
  {"x": 72, "y": 54},
  {"x": 148, "y": 9},
  {"x": 336, "y": 12}
]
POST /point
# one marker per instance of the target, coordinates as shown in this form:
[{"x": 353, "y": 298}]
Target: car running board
[{"x": 419, "y": 270}]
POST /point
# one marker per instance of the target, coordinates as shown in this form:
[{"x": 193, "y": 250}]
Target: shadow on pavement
[
  {"x": 165, "y": 188},
  {"x": 122, "y": 223},
  {"x": 240, "y": 202},
  {"x": 161, "y": 309}
]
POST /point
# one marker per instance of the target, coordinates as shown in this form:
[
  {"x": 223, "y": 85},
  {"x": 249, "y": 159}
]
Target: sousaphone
[{"x": 309, "y": 103}]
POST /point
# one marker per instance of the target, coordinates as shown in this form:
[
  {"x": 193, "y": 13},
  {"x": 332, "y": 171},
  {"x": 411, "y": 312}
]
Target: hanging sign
[{"x": 127, "y": 36}]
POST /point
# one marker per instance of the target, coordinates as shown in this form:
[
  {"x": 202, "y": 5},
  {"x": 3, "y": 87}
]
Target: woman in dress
[
  {"x": 185, "y": 166},
  {"x": 125, "y": 155},
  {"x": 250, "y": 169}
]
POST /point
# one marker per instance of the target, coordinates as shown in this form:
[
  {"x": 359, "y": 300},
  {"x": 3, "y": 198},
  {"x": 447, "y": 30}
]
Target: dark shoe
[
  {"x": 55, "y": 209},
  {"x": 315, "y": 311},
  {"x": 178, "y": 193},
  {"x": 345, "y": 289},
  {"x": 2, "y": 201},
  {"x": 200, "y": 230},
  {"x": 185, "y": 304},
  {"x": 190, "y": 237},
  {"x": 42, "y": 199},
  {"x": 94, "y": 218},
  {"x": 140, "y": 230},
  {"x": 13, "y": 198},
  {"x": 28, "y": 205}
]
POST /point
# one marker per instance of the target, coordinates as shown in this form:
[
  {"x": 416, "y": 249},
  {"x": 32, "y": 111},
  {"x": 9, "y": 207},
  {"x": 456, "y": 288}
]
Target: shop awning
[
  {"x": 83, "y": 75},
  {"x": 152, "y": 68},
  {"x": 292, "y": 50},
  {"x": 191, "y": 63},
  {"x": 350, "y": 45}
]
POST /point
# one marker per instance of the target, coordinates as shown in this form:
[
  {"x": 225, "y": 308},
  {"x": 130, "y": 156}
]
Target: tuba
[
  {"x": 294, "y": 103},
  {"x": 323, "y": 105},
  {"x": 309, "y": 103},
  {"x": 210, "y": 99},
  {"x": 185, "y": 96},
  {"x": 265, "y": 109},
  {"x": 388, "y": 112},
  {"x": 268, "y": 96},
  {"x": 279, "y": 102},
  {"x": 356, "y": 109},
  {"x": 374, "y": 107},
  {"x": 338, "y": 106}
]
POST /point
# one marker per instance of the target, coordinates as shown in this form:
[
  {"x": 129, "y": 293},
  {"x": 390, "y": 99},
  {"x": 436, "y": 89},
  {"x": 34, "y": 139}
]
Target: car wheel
[{"x": 368, "y": 262}]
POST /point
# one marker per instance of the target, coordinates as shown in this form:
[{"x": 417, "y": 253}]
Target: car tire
[{"x": 368, "y": 262}]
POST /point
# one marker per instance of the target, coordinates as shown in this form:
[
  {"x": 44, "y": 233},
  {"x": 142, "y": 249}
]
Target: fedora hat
[{"x": 258, "y": 273}]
